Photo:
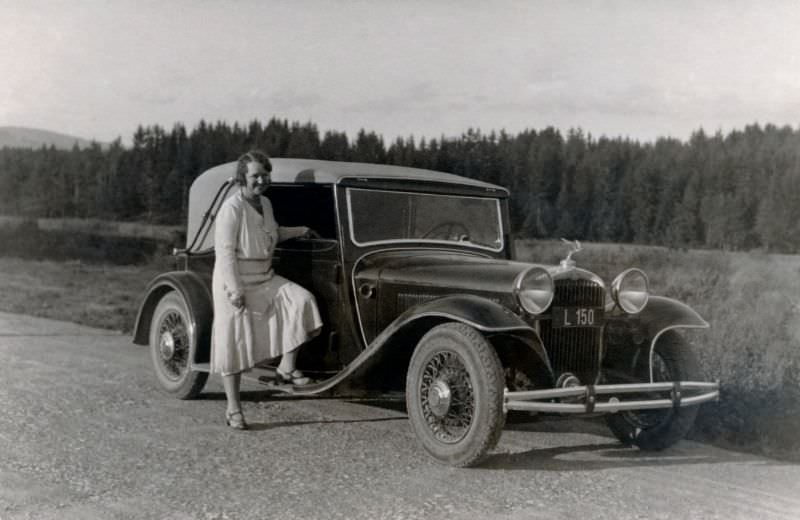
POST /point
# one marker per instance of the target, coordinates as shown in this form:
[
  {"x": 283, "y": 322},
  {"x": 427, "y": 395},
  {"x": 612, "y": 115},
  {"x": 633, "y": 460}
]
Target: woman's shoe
[
  {"x": 236, "y": 420},
  {"x": 294, "y": 377}
]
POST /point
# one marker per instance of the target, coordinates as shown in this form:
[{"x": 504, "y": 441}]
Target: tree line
[{"x": 735, "y": 191}]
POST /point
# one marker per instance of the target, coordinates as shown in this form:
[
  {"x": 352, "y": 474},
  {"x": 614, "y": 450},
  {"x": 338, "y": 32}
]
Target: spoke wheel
[
  {"x": 454, "y": 394},
  {"x": 647, "y": 419},
  {"x": 172, "y": 346},
  {"x": 654, "y": 430},
  {"x": 448, "y": 402}
]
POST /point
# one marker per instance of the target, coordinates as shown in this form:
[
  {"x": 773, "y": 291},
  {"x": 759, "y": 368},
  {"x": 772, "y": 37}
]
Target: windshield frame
[{"x": 498, "y": 212}]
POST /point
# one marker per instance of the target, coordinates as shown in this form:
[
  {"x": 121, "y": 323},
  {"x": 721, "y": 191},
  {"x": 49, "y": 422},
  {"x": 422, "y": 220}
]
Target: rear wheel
[
  {"x": 652, "y": 430},
  {"x": 172, "y": 344},
  {"x": 454, "y": 394}
]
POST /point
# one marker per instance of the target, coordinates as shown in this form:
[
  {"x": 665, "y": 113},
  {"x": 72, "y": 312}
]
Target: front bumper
[{"x": 591, "y": 398}]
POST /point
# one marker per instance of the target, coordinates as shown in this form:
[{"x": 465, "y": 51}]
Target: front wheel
[
  {"x": 454, "y": 394},
  {"x": 172, "y": 344},
  {"x": 654, "y": 430}
]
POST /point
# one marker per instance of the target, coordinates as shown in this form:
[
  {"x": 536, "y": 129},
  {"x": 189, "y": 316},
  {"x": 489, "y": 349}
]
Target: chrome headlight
[
  {"x": 631, "y": 290},
  {"x": 534, "y": 289}
]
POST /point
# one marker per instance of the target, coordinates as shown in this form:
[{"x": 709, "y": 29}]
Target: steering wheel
[{"x": 447, "y": 229}]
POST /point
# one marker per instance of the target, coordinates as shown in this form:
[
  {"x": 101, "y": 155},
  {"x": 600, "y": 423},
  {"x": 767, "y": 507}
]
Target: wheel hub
[
  {"x": 167, "y": 345},
  {"x": 446, "y": 397},
  {"x": 439, "y": 398}
]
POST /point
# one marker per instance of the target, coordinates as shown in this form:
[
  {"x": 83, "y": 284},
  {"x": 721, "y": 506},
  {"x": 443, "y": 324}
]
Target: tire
[
  {"x": 454, "y": 394},
  {"x": 655, "y": 430},
  {"x": 172, "y": 345}
]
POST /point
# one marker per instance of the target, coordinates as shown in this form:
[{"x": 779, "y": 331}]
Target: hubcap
[
  {"x": 167, "y": 345},
  {"x": 446, "y": 397},
  {"x": 439, "y": 398},
  {"x": 173, "y": 345}
]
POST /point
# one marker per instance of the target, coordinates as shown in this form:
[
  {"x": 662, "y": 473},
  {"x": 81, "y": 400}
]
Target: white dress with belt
[{"x": 279, "y": 315}]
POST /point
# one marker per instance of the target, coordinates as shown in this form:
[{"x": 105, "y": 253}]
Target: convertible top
[{"x": 309, "y": 171}]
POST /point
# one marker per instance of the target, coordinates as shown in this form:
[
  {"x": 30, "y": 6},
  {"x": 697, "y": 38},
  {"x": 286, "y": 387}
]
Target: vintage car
[{"x": 415, "y": 277}]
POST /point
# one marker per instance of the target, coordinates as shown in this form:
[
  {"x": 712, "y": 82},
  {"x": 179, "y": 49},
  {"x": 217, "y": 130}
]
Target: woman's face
[{"x": 257, "y": 179}]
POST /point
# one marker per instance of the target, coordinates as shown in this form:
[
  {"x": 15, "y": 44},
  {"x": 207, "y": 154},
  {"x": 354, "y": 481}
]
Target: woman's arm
[
  {"x": 289, "y": 232},
  {"x": 226, "y": 234}
]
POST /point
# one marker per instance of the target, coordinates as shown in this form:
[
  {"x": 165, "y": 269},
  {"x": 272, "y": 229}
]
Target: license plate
[{"x": 565, "y": 317}]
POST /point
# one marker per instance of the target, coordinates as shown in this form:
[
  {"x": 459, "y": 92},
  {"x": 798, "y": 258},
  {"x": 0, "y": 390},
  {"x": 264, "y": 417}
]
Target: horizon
[{"x": 563, "y": 132}]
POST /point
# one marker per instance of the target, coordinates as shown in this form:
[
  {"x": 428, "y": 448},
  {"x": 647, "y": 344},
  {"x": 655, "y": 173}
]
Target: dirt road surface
[{"x": 86, "y": 434}]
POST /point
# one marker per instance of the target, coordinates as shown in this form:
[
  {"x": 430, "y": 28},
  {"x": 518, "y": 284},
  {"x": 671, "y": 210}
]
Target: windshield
[{"x": 392, "y": 216}]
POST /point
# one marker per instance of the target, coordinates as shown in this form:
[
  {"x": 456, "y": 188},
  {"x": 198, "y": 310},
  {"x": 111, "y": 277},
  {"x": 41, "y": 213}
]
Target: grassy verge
[
  {"x": 104, "y": 296},
  {"x": 73, "y": 275}
]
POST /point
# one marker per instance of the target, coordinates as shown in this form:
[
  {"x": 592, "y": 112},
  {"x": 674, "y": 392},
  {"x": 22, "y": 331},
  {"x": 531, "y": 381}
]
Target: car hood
[
  {"x": 454, "y": 270},
  {"x": 447, "y": 270}
]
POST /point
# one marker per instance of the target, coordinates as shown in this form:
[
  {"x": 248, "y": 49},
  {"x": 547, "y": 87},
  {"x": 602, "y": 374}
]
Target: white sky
[{"x": 642, "y": 69}]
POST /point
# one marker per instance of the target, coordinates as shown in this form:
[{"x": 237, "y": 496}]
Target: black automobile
[{"x": 415, "y": 277}]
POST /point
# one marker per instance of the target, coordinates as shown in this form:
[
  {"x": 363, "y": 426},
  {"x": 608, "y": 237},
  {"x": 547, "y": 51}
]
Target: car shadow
[
  {"x": 289, "y": 424},
  {"x": 268, "y": 396},
  {"x": 259, "y": 396},
  {"x": 256, "y": 396},
  {"x": 606, "y": 453},
  {"x": 613, "y": 455}
]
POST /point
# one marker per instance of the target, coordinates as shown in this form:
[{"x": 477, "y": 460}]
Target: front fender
[
  {"x": 662, "y": 314},
  {"x": 197, "y": 295},
  {"x": 398, "y": 340},
  {"x": 487, "y": 316},
  {"x": 481, "y": 313}
]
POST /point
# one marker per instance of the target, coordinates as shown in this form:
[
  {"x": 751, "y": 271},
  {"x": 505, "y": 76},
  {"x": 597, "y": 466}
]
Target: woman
[{"x": 258, "y": 315}]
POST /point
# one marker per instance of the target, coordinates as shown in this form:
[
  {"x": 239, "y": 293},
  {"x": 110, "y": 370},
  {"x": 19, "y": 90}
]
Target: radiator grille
[
  {"x": 575, "y": 350},
  {"x": 578, "y": 293}
]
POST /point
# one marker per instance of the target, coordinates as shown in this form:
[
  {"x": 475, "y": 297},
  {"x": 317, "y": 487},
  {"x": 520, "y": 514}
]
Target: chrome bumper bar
[{"x": 587, "y": 398}]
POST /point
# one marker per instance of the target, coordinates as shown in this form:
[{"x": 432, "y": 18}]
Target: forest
[{"x": 734, "y": 191}]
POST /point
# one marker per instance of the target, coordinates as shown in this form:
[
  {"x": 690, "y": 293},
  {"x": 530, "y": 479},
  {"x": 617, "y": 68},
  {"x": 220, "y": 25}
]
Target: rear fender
[{"x": 195, "y": 292}]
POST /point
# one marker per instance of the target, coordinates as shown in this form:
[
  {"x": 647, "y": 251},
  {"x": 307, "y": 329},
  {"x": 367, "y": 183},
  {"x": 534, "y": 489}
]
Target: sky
[{"x": 639, "y": 69}]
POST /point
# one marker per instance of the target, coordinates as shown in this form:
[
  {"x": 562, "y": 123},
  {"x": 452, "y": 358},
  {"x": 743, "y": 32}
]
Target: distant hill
[{"x": 22, "y": 137}]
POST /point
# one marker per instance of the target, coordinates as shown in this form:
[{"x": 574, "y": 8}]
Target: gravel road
[{"x": 86, "y": 434}]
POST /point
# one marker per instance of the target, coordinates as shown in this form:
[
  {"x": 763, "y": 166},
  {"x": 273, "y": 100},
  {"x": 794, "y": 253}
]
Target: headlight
[
  {"x": 534, "y": 290},
  {"x": 631, "y": 290}
]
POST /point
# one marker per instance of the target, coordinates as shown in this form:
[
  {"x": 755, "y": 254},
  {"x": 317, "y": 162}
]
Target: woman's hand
[
  {"x": 237, "y": 300},
  {"x": 310, "y": 233}
]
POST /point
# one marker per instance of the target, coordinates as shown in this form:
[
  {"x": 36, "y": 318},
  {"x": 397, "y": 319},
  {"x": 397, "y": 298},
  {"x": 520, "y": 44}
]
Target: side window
[{"x": 305, "y": 205}]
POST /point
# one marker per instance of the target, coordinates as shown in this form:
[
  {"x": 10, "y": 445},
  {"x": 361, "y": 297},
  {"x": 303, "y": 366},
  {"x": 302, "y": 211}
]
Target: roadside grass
[
  {"x": 76, "y": 275},
  {"x": 99, "y": 295}
]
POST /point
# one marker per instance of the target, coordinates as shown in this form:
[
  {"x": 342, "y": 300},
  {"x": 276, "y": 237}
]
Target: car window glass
[
  {"x": 378, "y": 216},
  {"x": 299, "y": 205}
]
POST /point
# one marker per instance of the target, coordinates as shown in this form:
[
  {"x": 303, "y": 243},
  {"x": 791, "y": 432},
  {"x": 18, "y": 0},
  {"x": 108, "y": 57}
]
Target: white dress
[{"x": 279, "y": 315}]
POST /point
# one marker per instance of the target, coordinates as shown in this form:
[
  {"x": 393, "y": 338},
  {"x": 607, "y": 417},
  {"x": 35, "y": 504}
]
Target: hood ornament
[{"x": 575, "y": 247}]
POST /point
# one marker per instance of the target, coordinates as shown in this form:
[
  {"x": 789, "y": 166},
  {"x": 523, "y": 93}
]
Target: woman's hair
[{"x": 251, "y": 156}]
